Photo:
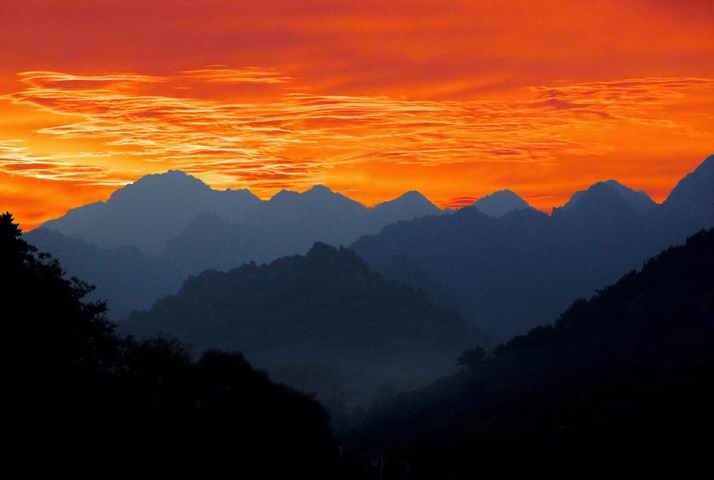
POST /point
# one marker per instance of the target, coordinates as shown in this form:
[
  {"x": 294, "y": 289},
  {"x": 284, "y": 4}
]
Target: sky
[{"x": 455, "y": 99}]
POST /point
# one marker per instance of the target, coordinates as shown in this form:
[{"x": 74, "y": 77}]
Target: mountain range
[
  {"x": 516, "y": 271},
  {"x": 150, "y": 235},
  {"x": 150, "y": 212},
  {"x": 504, "y": 265}
]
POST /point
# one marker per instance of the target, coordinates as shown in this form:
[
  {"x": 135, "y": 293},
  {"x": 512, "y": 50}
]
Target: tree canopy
[{"x": 81, "y": 393}]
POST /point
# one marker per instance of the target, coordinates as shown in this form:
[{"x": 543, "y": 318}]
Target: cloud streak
[{"x": 288, "y": 138}]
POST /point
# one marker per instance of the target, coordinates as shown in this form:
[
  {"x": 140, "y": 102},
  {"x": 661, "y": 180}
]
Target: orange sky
[{"x": 372, "y": 98}]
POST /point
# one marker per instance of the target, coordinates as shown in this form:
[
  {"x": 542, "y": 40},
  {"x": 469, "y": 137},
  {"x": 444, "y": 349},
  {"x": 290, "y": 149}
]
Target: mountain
[
  {"x": 153, "y": 233},
  {"x": 691, "y": 202},
  {"x": 408, "y": 206},
  {"x": 510, "y": 273},
  {"x": 639, "y": 201},
  {"x": 290, "y": 222},
  {"x": 619, "y": 386},
  {"x": 287, "y": 224},
  {"x": 126, "y": 276},
  {"x": 148, "y": 212},
  {"x": 505, "y": 273},
  {"x": 322, "y": 320},
  {"x": 500, "y": 203}
]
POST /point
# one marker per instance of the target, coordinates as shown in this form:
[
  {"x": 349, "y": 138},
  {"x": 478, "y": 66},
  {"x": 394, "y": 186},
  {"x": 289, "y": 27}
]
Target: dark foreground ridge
[{"x": 619, "y": 387}]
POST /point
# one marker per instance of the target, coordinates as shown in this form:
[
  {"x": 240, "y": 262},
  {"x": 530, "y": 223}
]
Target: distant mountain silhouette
[
  {"x": 148, "y": 212},
  {"x": 322, "y": 314},
  {"x": 500, "y": 203},
  {"x": 287, "y": 224},
  {"x": 620, "y": 386},
  {"x": 175, "y": 222},
  {"x": 506, "y": 273},
  {"x": 516, "y": 271}
]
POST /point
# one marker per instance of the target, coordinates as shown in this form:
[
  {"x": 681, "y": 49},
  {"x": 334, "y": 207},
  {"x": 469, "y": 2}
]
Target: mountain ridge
[
  {"x": 513, "y": 272},
  {"x": 616, "y": 382}
]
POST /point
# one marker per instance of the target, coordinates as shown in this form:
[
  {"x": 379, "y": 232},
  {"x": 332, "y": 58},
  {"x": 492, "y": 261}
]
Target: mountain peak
[
  {"x": 407, "y": 206},
  {"x": 284, "y": 194},
  {"x": 499, "y": 203},
  {"x": 693, "y": 197},
  {"x": 169, "y": 176},
  {"x": 609, "y": 192},
  {"x": 412, "y": 197},
  {"x": 168, "y": 184},
  {"x": 637, "y": 199},
  {"x": 319, "y": 188}
]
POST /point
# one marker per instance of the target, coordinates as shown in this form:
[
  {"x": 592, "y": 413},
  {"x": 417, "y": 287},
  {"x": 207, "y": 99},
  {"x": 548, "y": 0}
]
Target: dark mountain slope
[
  {"x": 322, "y": 312},
  {"x": 620, "y": 385}
]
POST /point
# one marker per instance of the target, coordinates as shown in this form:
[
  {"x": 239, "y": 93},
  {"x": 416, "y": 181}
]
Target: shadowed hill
[
  {"x": 324, "y": 312},
  {"x": 619, "y": 385}
]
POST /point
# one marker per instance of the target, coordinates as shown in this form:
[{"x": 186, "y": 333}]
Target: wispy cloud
[
  {"x": 17, "y": 159},
  {"x": 289, "y": 138}
]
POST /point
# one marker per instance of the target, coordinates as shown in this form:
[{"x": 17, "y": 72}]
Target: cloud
[
  {"x": 16, "y": 159},
  {"x": 288, "y": 138}
]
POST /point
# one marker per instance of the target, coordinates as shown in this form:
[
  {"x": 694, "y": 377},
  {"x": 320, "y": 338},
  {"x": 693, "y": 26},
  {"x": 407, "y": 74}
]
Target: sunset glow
[{"x": 371, "y": 98}]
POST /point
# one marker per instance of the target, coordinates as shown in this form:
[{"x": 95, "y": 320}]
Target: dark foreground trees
[{"x": 80, "y": 395}]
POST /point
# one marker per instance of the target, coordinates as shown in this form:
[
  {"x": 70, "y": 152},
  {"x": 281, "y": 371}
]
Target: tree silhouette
[{"x": 81, "y": 395}]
